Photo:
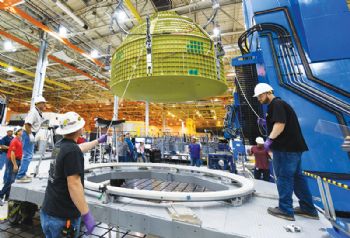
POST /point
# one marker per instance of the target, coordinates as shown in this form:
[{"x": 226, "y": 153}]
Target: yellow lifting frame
[{"x": 133, "y": 10}]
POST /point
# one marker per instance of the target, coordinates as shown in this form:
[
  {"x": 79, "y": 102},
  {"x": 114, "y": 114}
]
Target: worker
[
  {"x": 141, "y": 152},
  {"x": 287, "y": 143},
  {"x": 13, "y": 162},
  {"x": 64, "y": 201},
  {"x": 130, "y": 155},
  {"x": 195, "y": 153},
  {"x": 261, "y": 160},
  {"x": 4, "y": 144},
  {"x": 123, "y": 149},
  {"x": 32, "y": 124}
]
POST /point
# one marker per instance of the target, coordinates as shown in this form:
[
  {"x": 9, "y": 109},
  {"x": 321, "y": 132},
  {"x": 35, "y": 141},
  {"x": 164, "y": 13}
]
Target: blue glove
[
  {"x": 89, "y": 222},
  {"x": 102, "y": 139},
  {"x": 267, "y": 144},
  {"x": 261, "y": 122}
]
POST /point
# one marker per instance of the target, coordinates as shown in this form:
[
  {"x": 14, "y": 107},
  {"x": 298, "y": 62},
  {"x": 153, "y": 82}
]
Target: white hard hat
[
  {"x": 261, "y": 88},
  {"x": 259, "y": 140},
  {"x": 70, "y": 122},
  {"x": 39, "y": 99},
  {"x": 221, "y": 163}
]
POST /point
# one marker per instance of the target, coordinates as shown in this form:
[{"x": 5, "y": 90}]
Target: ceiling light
[
  {"x": 121, "y": 16},
  {"x": 10, "y": 69},
  {"x": 94, "y": 54},
  {"x": 8, "y": 46},
  {"x": 216, "y": 31},
  {"x": 62, "y": 32}
]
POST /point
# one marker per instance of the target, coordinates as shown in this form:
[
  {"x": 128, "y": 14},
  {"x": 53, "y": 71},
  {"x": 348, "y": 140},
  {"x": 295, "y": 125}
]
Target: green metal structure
[{"x": 183, "y": 62}]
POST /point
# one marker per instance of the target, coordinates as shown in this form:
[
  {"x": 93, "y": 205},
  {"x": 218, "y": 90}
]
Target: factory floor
[{"x": 34, "y": 231}]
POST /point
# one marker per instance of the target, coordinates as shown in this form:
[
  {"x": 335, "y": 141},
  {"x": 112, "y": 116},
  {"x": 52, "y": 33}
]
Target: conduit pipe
[{"x": 29, "y": 46}]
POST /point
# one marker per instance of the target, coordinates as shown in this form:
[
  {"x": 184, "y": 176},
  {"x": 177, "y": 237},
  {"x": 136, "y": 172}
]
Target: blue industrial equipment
[
  {"x": 226, "y": 159},
  {"x": 306, "y": 59}
]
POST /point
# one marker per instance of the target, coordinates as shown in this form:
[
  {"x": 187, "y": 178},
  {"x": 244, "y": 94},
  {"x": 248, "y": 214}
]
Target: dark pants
[
  {"x": 287, "y": 166},
  {"x": 196, "y": 162},
  {"x": 265, "y": 173},
  {"x": 53, "y": 226},
  {"x": 10, "y": 178},
  {"x": 122, "y": 158},
  {"x": 142, "y": 155}
]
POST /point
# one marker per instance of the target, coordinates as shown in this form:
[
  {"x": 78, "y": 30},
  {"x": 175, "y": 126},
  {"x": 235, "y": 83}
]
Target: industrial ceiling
[{"x": 77, "y": 82}]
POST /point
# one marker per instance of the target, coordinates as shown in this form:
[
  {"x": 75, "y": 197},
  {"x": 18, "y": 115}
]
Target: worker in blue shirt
[
  {"x": 130, "y": 156},
  {"x": 4, "y": 144},
  {"x": 195, "y": 153}
]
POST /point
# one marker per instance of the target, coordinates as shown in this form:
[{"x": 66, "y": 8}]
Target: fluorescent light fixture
[
  {"x": 10, "y": 69},
  {"x": 8, "y": 46},
  {"x": 121, "y": 16},
  {"x": 94, "y": 54},
  {"x": 62, "y": 32},
  {"x": 216, "y": 31}
]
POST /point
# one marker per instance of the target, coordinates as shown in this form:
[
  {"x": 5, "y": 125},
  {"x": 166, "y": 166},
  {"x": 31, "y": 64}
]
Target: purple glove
[
  {"x": 102, "y": 139},
  {"x": 261, "y": 122},
  {"x": 89, "y": 222},
  {"x": 267, "y": 144}
]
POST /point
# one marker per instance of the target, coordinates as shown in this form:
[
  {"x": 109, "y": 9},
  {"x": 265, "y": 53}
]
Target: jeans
[
  {"x": 265, "y": 173},
  {"x": 3, "y": 158},
  {"x": 287, "y": 166},
  {"x": 142, "y": 155},
  {"x": 10, "y": 177},
  {"x": 28, "y": 150},
  {"x": 196, "y": 162},
  {"x": 53, "y": 226}
]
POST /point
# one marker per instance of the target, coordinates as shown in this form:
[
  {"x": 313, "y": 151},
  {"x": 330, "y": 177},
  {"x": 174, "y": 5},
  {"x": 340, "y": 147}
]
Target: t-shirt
[
  {"x": 195, "y": 151},
  {"x": 5, "y": 141},
  {"x": 16, "y": 146},
  {"x": 68, "y": 160},
  {"x": 35, "y": 118},
  {"x": 123, "y": 148},
  {"x": 291, "y": 139},
  {"x": 261, "y": 157},
  {"x": 81, "y": 140},
  {"x": 130, "y": 144}
]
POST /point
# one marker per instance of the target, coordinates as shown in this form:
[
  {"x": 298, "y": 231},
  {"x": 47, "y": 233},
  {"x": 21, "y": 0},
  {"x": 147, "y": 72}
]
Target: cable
[{"x": 246, "y": 99}]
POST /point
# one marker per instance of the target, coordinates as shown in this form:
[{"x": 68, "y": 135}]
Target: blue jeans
[
  {"x": 9, "y": 178},
  {"x": 196, "y": 162},
  {"x": 287, "y": 166},
  {"x": 3, "y": 158},
  {"x": 28, "y": 150},
  {"x": 53, "y": 226},
  {"x": 142, "y": 155}
]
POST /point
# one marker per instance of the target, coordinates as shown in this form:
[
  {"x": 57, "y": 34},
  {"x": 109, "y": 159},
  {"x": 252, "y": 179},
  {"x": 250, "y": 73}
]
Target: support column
[
  {"x": 147, "y": 118},
  {"x": 164, "y": 122},
  {"x": 115, "y": 108},
  {"x": 115, "y": 136},
  {"x": 40, "y": 69}
]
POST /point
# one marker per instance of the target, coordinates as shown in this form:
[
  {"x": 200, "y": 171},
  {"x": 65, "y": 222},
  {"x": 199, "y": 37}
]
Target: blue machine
[{"x": 301, "y": 48}]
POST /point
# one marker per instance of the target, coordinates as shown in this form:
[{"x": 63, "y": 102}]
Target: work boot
[
  {"x": 299, "y": 212},
  {"x": 278, "y": 213}
]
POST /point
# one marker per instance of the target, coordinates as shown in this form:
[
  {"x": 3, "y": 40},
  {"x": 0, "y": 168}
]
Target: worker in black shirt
[
  {"x": 64, "y": 201},
  {"x": 287, "y": 143}
]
